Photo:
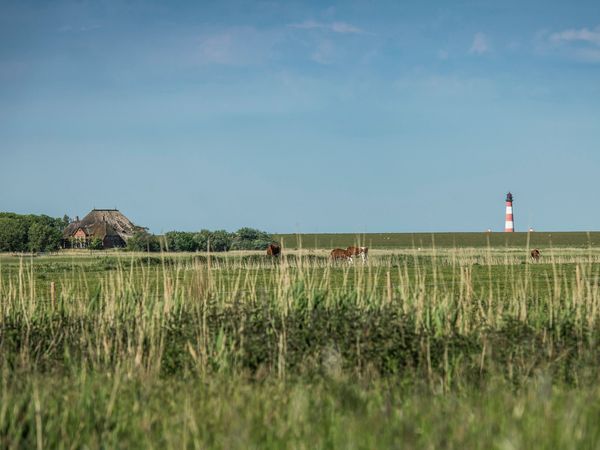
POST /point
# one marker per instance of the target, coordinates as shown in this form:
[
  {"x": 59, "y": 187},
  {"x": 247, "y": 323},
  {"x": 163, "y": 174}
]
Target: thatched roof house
[{"x": 108, "y": 225}]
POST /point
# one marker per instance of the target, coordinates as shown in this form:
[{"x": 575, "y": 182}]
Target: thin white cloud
[
  {"x": 336, "y": 27},
  {"x": 581, "y": 35},
  {"x": 480, "y": 44},
  {"x": 342, "y": 27},
  {"x": 579, "y": 44},
  {"x": 306, "y": 25}
]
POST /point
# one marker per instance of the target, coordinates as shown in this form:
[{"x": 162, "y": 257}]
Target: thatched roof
[{"x": 101, "y": 223}]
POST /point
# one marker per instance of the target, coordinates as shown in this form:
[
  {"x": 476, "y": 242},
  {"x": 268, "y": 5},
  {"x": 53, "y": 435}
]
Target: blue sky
[{"x": 303, "y": 116}]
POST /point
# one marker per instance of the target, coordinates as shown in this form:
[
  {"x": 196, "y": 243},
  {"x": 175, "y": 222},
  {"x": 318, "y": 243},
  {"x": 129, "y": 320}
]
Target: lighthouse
[{"x": 509, "y": 224}]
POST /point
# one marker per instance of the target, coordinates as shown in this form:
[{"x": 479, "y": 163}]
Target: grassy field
[
  {"x": 442, "y": 240},
  {"x": 437, "y": 347}
]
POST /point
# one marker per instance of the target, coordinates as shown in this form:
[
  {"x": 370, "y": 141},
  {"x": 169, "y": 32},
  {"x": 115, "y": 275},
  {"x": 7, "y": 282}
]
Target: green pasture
[
  {"x": 432, "y": 346},
  {"x": 441, "y": 240}
]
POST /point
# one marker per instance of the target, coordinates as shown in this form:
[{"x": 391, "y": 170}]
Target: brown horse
[
  {"x": 273, "y": 250},
  {"x": 340, "y": 254},
  {"x": 535, "y": 255}
]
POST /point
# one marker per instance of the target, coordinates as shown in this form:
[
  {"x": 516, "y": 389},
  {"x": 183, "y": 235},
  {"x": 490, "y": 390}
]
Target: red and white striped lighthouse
[{"x": 509, "y": 224}]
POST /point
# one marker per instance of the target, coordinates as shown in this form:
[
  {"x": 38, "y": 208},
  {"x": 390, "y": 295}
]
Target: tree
[
  {"x": 220, "y": 241},
  {"x": 142, "y": 241},
  {"x": 201, "y": 238},
  {"x": 13, "y": 233},
  {"x": 30, "y": 232},
  {"x": 66, "y": 220},
  {"x": 204, "y": 240},
  {"x": 180, "y": 241},
  {"x": 42, "y": 236},
  {"x": 96, "y": 244},
  {"x": 251, "y": 239}
]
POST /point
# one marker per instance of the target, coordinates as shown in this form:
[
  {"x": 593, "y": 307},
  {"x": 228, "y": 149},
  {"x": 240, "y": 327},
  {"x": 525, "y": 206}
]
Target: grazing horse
[
  {"x": 363, "y": 252},
  {"x": 273, "y": 250},
  {"x": 535, "y": 255},
  {"x": 340, "y": 253}
]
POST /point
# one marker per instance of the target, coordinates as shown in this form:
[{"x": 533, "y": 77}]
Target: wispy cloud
[
  {"x": 480, "y": 44},
  {"x": 336, "y": 27},
  {"x": 580, "y": 44},
  {"x": 581, "y": 35}
]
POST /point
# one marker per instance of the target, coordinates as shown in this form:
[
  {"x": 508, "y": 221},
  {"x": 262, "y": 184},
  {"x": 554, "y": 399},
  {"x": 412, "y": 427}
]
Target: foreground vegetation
[{"x": 450, "y": 348}]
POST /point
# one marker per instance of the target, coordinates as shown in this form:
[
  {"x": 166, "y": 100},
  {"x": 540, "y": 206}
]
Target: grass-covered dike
[{"x": 541, "y": 239}]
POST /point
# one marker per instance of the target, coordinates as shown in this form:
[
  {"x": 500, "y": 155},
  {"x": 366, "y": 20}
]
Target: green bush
[
  {"x": 96, "y": 244},
  {"x": 180, "y": 241},
  {"x": 220, "y": 241},
  {"x": 142, "y": 241},
  {"x": 251, "y": 239}
]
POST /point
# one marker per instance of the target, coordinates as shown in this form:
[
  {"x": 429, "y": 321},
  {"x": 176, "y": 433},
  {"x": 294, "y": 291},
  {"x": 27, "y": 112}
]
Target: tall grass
[{"x": 425, "y": 347}]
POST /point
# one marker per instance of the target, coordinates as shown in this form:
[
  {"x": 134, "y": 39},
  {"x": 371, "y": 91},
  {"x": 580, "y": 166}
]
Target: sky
[{"x": 298, "y": 116}]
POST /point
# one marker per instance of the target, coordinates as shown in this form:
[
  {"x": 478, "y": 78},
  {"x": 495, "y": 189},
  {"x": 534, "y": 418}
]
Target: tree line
[
  {"x": 30, "y": 233},
  {"x": 41, "y": 233},
  {"x": 203, "y": 240}
]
